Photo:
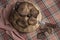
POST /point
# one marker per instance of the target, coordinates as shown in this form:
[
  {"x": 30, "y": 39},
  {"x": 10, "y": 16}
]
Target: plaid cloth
[{"x": 50, "y": 10}]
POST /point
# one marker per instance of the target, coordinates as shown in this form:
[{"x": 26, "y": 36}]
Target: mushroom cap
[{"x": 30, "y": 28}]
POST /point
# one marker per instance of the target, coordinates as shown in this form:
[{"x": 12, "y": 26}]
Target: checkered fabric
[{"x": 50, "y": 10}]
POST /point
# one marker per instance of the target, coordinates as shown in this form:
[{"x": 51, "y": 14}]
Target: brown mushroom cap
[{"x": 18, "y": 17}]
